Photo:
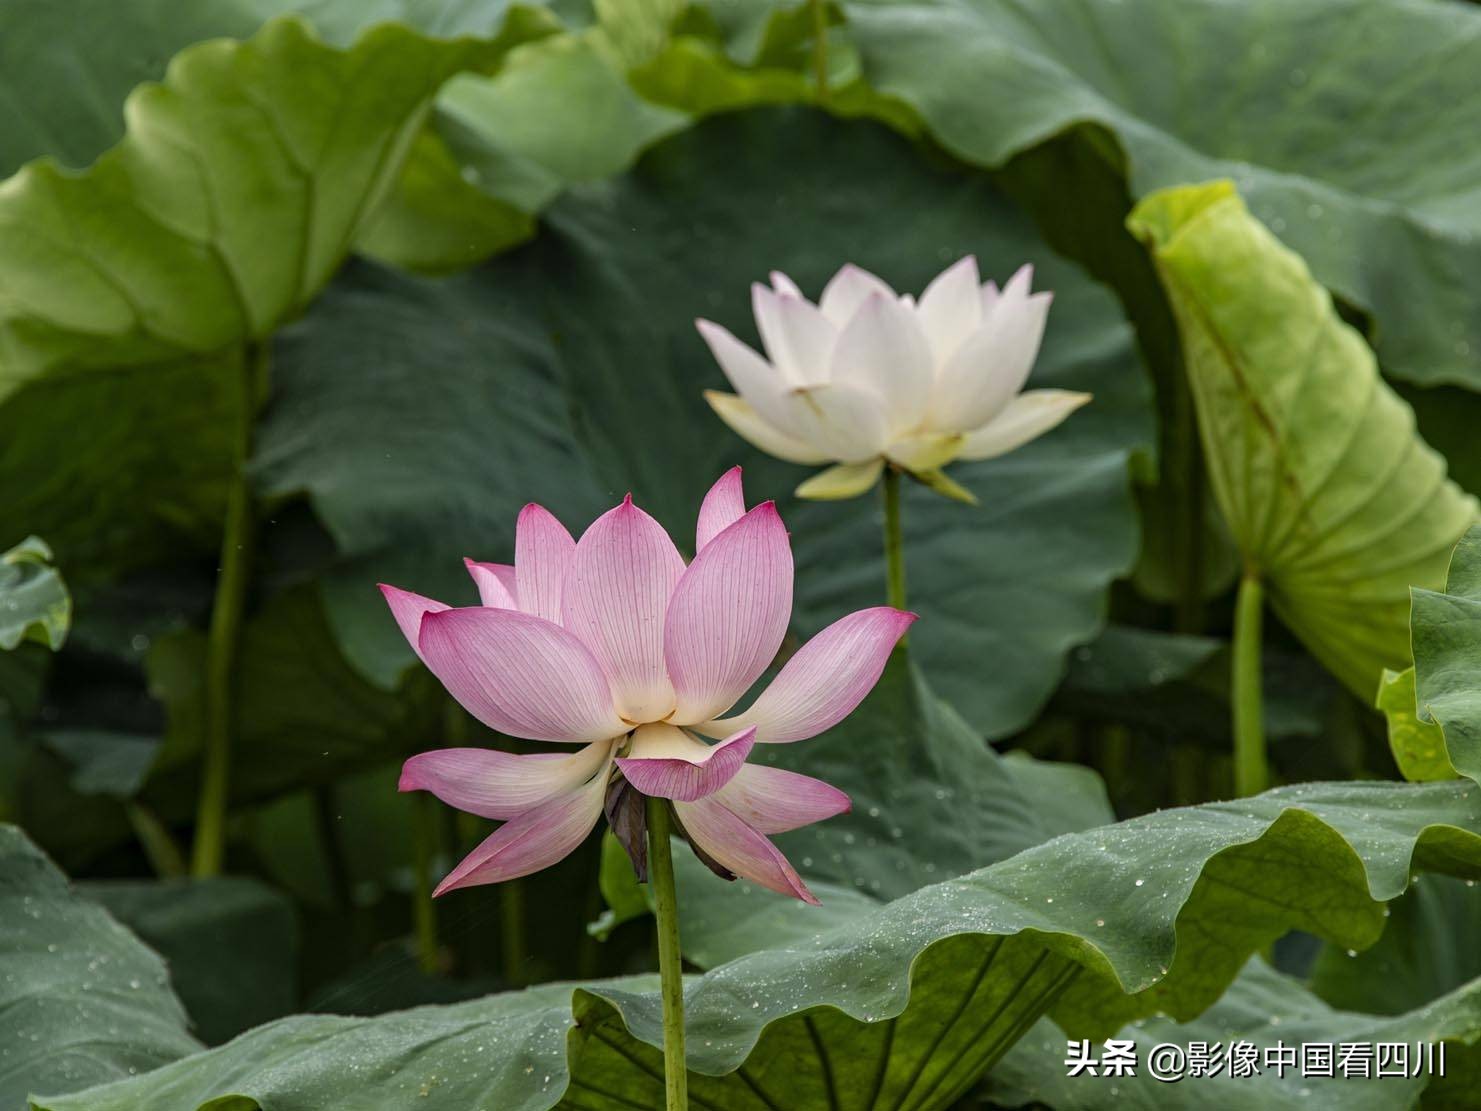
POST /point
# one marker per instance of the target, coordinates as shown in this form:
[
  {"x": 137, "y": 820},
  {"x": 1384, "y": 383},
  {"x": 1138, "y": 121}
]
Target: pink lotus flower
[{"x": 612, "y": 643}]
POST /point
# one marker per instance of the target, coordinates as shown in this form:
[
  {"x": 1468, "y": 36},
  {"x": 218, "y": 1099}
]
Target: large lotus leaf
[
  {"x": 550, "y": 374},
  {"x": 1446, "y": 630},
  {"x": 128, "y": 288},
  {"x": 1333, "y": 499},
  {"x": 34, "y": 603},
  {"x": 1265, "y": 1010},
  {"x": 82, "y": 1001},
  {"x": 562, "y": 113},
  {"x": 927, "y": 989},
  {"x": 1426, "y": 951},
  {"x": 242, "y": 181},
  {"x": 1264, "y": 93},
  {"x": 231, "y": 944},
  {"x": 66, "y": 70},
  {"x": 46, "y": 49}
]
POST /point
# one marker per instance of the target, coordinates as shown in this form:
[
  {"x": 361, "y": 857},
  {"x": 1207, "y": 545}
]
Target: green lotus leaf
[
  {"x": 231, "y": 944},
  {"x": 1424, "y": 953},
  {"x": 34, "y": 603},
  {"x": 130, "y": 289},
  {"x": 1446, "y": 631},
  {"x": 82, "y": 1001},
  {"x": 1156, "y": 914},
  {"x": 1418, "y": 745},
  {"x": 1268, "y": 1011},
  {"x": 1333, "y": 499}
]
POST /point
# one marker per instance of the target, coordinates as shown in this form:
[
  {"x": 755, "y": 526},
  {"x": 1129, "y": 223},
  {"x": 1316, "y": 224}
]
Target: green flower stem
[
  {"x": 512, "y": 931},
  {"x": 894, "y": 544},
  {"x": 819, "y": 9},
  {"x": 1251, "y": 773},
  {"x": 423, "y": 909},
  {"x": 164, "y": 855},
  {"x": 224, "y": 636},
  {"x": 670, "y": 963}
]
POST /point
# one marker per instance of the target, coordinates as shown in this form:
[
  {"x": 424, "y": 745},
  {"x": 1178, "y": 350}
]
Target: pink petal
[
  {"x": 407, "y": 608},
  {"x": 728, "y": 615},
  {"x": 617, "y": 591},
  {"x": 724, "y": 505},
  {"x": 542, "y": 559},
  {"x": 738, "y": 846},
  {"x": 775, "y": 800},
  {"x": 824, "y": 681},
  {"x": 495, "y": 582},
  {"x": 683, "y": 768},
  {"x": 520, "y": 675},
  {"x": 536, "y": 839},
  {"x": 501, "y": 785}
]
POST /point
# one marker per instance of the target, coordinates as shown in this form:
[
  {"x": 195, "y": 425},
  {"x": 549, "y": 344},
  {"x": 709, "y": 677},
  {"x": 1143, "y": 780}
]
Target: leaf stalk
[
  {"x": 223, "y": 639},
  {"x": 1251, "y": 770}
]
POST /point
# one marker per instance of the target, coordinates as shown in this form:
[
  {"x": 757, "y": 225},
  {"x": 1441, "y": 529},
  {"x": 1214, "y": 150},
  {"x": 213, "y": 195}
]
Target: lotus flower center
[{"x": 658, "y": 741}]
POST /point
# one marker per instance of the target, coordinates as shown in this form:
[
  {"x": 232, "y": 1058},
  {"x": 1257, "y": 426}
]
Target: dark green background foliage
[{"x": 442, "y": 259}]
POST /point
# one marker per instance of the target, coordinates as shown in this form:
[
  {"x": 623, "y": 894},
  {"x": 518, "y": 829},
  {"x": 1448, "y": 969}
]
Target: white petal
[
  {"x": 1026, "y": 417},
  {"x": 746, "y": 423},
  {"x": 846, "y": 291},
  {"x": 783, "y": 284},
  {"x": 951, "y": 307},
  {"x": 991, "y": 366},
  {"x": 756, "y": 380},
  {"x": 884, "y": 349},
  {"x": 797, "y": 337},
  {"x": 845, "y": 421}
]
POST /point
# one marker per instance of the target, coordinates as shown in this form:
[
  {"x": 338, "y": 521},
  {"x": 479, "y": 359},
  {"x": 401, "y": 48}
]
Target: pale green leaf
[
  {"x": 1418, "y": 745},
  {"x": 1446, "y": 630},
  {"x": 1334, "y": 501},
  {"x": 34, "y": 603}
]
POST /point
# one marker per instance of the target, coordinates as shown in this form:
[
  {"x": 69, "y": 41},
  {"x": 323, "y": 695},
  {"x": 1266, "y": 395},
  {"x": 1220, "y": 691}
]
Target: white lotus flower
[{"x": 868, "y": 376}]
